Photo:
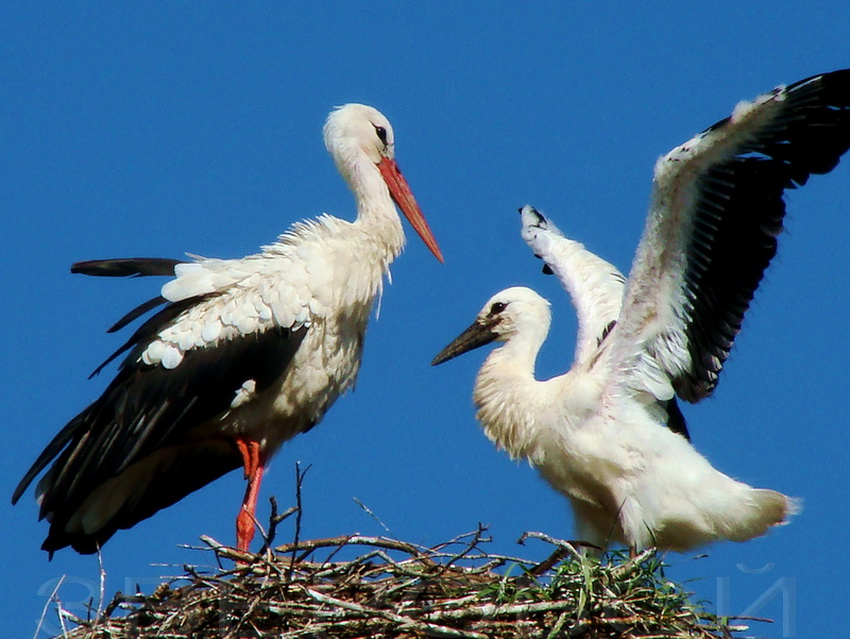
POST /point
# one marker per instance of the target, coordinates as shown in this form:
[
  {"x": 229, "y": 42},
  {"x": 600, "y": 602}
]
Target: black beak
[{"x": 478, "y": 334}]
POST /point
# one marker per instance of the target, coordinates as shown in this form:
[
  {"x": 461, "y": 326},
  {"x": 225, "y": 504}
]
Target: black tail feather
[{"x": 127, "y": 267}]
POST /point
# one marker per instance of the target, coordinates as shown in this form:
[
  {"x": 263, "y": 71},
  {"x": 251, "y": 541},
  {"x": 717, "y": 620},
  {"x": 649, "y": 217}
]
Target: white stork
[
  {"x": 246, "y": 354},
  {"x": 608, "y": 434}
]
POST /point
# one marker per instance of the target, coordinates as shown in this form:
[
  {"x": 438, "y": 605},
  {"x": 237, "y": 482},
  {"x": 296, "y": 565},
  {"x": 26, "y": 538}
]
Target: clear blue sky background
[{"x": 135, "y": 129}]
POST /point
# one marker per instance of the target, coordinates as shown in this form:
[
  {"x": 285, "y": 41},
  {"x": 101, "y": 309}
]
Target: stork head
[
  {"x": 516, "y": 312},
  {"x": 355, "y": 133},
  {"x": 361, "y": 127}
]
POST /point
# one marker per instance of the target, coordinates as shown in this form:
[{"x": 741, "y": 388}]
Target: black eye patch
[{"x": 382, "y": 134}]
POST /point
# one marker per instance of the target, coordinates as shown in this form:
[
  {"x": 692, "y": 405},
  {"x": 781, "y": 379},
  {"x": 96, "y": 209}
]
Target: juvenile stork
[
  {"x": 246, "y": 354},
  {"x": 608, "y": 434}
]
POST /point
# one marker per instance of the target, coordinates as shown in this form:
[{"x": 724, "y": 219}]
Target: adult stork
[
  {"x": 246, "y": 354},
  {"x": 609, "y": 434}
]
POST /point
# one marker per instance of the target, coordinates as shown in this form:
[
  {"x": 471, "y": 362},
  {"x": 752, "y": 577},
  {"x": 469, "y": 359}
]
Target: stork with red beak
[{"x": 246, "y": 354}]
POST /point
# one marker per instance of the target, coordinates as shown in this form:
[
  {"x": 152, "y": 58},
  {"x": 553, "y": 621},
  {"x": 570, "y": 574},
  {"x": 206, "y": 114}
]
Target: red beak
[{"x": 403, "y": 197}]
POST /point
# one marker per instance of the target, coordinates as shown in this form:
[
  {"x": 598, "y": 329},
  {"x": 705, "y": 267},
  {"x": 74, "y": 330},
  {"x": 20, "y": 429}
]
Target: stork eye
[
  {"x": 497, "y": 308},
  {"x": 382, "y": 134}
]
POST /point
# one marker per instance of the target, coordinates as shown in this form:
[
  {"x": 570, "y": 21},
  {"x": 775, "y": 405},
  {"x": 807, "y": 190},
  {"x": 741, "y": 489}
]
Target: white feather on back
[{"x": 290, "y": 284}]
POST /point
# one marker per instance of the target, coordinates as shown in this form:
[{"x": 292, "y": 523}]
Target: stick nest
[{"x": 356, "y": 586}]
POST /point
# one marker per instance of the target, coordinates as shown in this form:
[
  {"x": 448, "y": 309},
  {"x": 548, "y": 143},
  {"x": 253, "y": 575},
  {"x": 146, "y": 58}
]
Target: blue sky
[{"x": 131, "y": 129}]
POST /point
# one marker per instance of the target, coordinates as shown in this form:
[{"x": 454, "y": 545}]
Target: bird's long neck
[
  {"x": 376, "y": 213},
  {"x": 506, "y": 395}
]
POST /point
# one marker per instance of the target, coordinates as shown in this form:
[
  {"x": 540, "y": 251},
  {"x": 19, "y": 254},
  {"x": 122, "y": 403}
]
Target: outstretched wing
[
  {"x": 594, "y": 285},
  {"x": 596, "y": 288},
  {"x": 715, "y": 214}
]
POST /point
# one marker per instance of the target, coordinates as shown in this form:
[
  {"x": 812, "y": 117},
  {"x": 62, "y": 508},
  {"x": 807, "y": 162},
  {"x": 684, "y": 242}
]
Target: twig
[
  {"x": 299, "y": 480},
  {"x": 499, "y": 610},
  {"x": 460, "y": 538},
  {"x": 357, "y": 539},
  {"x": 102, "y": 586},
  {"x": 544, "y": 566},
  {"x": 373, "y": 516},
  {"x": 274, "y": 521},
  {"x": 477, "y": 539},
  {"x": 53, "y": 597},
  {"x": 748, "y": 618},
  {"x": 227, "y": 552},
  {"x": 407, "y": 622},
  {"x": 561, "y": 543}
]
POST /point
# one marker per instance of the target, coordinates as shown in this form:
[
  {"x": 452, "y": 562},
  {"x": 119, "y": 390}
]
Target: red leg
[{"x": 250, "y": 451}]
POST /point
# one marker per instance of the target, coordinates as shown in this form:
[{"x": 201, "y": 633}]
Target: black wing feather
[
  {"x": 151, "y": 326},
  {"x": 188, "y": 469},
  {"x": 676, "y": 419},
  {"x": 136, "y": 313},
  {"x": 740, "y": 213},
  {"x": 148, "y": 408},
  {"x": 127, "y": 267}
]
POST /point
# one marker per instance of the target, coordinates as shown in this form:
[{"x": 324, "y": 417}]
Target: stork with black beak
[
  {"x": 246, "y": 354},
  {"x": 608, "y": 434}
]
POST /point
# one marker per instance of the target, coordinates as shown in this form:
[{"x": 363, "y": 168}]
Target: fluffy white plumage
[
  {"x": 608, "y": 434},
  {"x": 629, "y": 478}
]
